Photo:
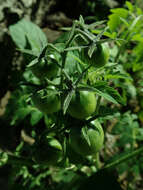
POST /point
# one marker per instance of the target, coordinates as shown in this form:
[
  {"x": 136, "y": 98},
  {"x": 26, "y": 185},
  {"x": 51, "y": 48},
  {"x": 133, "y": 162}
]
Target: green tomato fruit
[
  {"x": 99, "y": 57},
  {"x": 87, "y": 140},
  {"x": 82, "y": 105},
  {"x": 47, "y": 101},
  {"x": 48, "y": 151},
  {"x": 45, "y": 69}
]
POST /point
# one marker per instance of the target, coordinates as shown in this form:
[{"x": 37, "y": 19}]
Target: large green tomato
[
  {"x": 45, "y": 69},
  {"x": 99, "y": 57},
  {"x": 46, "y": 101},
  {"x": 48, "y": 151},
  {"x": 87, "y": 141},
  {"x": 82, "y": 105}
]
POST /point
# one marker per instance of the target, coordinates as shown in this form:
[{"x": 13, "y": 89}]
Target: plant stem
[
  {"x": 64, "y": 53},
  {"x": 122, "y": 48},
  {"x": 123, "y": 158},
  {"x": 81, "y": 76}
]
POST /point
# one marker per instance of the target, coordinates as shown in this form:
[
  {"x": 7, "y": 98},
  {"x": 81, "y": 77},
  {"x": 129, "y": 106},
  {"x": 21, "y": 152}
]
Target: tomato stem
[
  {"x": 81, "y": 76},
  {"x": 97, "y": 163},
  {"x": 124, "y": 158}
]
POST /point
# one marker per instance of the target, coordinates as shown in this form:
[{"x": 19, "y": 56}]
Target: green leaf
[
  {"x": 117, "y": 75},
  {"x": 36, "y": 116},
  {"x": 106, "y": 111},
  {"x": 123, "y": 157},
  {"x": 81, "y": 20},
  {"x": 137, "y": 37},
  {"x": 85, "y": 134},
  {"x": 74, "y": 48},
  {"x": 106, "y": 96},
  {"x": 135, "y": 22},
  {"x": 27, "y": 51},
  {"x": 33, "y": 62},
  {"x": 114, "y": 94},
  {"x": 71, "y": 34},
  {"x": 67, "y": 101},
  {"x": 100, "y": 93},
  {"x": 25, "y": 33},
  {"x": 113, "y": 22},
  {"x": 104, "y": 90},
  {"x": 130, "y": 6},
  {"x": 91, "y": 49},
  {"x": 20, "y": 114},
  {"x": 115, "y": 18},
  {"x": 125, "y": 21},
  {"x": 95, "y": 24},
  {"x": 72, "y": 65},
  {"x": 120, "y": 12}
]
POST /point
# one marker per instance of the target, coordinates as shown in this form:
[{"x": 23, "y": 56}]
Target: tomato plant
[
  {"x": 46, "y": 101},
  {"x": 87, "y": 141},
  {"x": 73, "y": 114},
  {"x": 82, "y": 105}
]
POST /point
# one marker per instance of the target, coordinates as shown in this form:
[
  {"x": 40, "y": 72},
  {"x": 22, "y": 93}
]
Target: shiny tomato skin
[
  {"x": 82, "y": 105},
  {"x": 89, "y": 144}
]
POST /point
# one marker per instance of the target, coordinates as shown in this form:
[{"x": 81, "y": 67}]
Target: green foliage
[
  {"x": 59, "y": 149},
  {"x": 26, "y": 34}
]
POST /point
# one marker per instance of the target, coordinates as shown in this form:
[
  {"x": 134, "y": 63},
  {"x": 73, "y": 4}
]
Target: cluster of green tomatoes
[{"x": 83, "y": 141}]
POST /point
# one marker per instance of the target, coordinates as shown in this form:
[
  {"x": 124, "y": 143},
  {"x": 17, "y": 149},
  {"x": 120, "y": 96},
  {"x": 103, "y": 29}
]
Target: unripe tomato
[
  {"x": 48, "y": 151},
  {"x": 99, "y": 57},
  {"x": 45, "y": 69},
  {"x": 89, "y": 143},
  {"x": 47, "y": 102},
  {"x": 82, "y": 105}
]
